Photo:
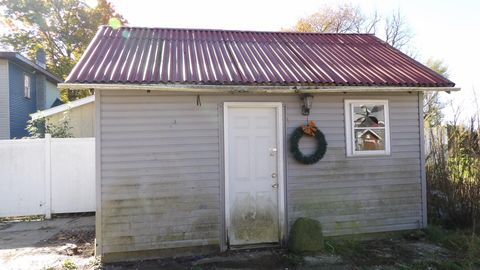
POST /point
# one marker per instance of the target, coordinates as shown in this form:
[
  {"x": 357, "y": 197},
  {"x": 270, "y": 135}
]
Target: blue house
[{"x": 25, "y": 87}]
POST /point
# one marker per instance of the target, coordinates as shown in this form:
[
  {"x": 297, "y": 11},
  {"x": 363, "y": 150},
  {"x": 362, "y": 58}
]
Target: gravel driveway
[{"x": 59, "y": 243}]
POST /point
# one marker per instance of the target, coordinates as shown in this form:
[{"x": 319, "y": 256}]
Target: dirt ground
[
  {"x": 59, "y": 243},
  {"x": 68, "y": 243},
  {"x": 395, "y": 253}
]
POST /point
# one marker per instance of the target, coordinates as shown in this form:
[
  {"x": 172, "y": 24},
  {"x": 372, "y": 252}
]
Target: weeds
[
  {"x": 348, "y": 248},
  {"x": 352, "y": 249},
  {"x": 293, "y": 259},
  {"x": 23, "y": 218},
  {"x": 69, "y": 265},
  {"x": 453, "y": 177},
  {"x": 463, "y": 243},
  {"x": 453, "y": 191}
]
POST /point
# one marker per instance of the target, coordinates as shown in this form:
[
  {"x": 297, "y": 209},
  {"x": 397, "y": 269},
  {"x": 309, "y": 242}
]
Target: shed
[
  {"x": 79, "y": 114},
  {"x": 193, "y": 130}
]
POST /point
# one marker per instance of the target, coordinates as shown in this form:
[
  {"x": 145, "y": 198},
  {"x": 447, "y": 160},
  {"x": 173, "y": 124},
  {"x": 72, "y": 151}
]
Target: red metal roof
[{"x": 131, "y": 55}]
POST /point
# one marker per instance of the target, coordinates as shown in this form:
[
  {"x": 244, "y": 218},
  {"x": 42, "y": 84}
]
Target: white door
[{"x": 252, "y": 174}]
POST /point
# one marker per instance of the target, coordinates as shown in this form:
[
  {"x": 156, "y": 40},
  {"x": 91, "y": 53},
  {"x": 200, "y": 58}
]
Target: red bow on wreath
[{"x": 310, "y": 128}]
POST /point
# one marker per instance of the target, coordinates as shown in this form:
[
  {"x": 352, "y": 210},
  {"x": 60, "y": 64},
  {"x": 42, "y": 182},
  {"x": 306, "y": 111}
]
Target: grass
[
  {"x": 345, "y": 248},
  {"x": 431, "y": 248},
  {"x": 448, "y": 265},
  {"x": 23, "y": 218},
  {"x": 464, "y": 243}
]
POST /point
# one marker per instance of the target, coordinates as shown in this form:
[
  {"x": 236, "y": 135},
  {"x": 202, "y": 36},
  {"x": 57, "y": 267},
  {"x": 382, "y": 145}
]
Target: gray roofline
[
  {"x": 236, "y": 30},
  {"x": 14, "y": 56},
  {"x": 63, "y": 107},
  {"x": 281, "y": 89}
]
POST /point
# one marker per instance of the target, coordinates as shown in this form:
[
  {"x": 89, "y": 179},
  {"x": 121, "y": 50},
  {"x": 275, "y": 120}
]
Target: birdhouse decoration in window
[{"x": 367, "y": 127}]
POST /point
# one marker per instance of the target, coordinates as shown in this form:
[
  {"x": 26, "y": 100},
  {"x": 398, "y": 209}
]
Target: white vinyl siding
[
  {"x": 161, "y": 169},
  {"x": 81, "y": 120}
]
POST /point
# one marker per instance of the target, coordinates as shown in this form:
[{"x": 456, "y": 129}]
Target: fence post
[{"x": 48, "y": 177}]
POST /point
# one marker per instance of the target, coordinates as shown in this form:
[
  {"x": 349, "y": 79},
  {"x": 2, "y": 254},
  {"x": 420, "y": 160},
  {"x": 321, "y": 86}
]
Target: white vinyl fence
[{"x": 45, "y": 176}]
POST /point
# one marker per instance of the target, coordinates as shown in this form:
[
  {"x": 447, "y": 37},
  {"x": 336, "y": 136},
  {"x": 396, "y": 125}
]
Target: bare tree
[
  {"x": 397, "y": 33},
  {"x": 340, "y": 19},
  {"x": 351, "y": 19},
  {"x": 432, "y": 105},
  {"x": 370, "y": 24}
]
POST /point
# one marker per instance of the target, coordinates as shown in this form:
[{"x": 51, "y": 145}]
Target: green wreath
[{"x": 316, "y": 156}]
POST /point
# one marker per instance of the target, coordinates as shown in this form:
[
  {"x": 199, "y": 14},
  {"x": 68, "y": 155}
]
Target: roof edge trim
[
  {"x": 250, "y": 89},
  {"x": 63, "y": 107},
  {"x": 22, "y": 60},
  {"x": 230, "y": 30}
]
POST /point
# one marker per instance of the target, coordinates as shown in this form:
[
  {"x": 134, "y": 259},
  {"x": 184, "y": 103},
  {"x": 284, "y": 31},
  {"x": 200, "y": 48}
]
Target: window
[
  {"x": 367, "y": 127},
  {"x": 26, "y": 86}
]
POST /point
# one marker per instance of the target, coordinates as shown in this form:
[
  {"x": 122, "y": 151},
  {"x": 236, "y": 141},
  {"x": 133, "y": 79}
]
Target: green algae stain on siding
[{"x": 254, "y": 222}]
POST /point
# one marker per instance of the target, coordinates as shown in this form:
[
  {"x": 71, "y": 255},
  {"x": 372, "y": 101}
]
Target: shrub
[
  {"x": 453, "y": 178},
  {"x": 306, "y": 236},
  {"x": 38, "y": 127}
]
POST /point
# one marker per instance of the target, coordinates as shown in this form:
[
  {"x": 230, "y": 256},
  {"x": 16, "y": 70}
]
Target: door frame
[{"x": 280, "y": 165}]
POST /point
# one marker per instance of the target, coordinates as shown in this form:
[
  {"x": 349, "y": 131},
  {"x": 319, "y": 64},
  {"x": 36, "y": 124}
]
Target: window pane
[
  {"x": 369, "y": 139},
  {"x": 26, "y": 89},
  {"x": 369, "y": 115}
]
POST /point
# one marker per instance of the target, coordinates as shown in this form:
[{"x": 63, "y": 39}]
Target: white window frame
[
  {"x": 27, "y": 89},
  {"x": 349, "y": 127}
]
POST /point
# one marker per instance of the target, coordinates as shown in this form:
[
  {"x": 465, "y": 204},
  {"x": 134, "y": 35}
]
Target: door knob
[
  {"x": 273, "y": 151},
  {"x": 274, "y": 185},
  {"x": 274, "y": 175}
]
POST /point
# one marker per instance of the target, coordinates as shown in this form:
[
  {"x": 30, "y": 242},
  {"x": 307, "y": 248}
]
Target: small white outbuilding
[
  {"x": 79, "y": 114},
  {"x": 199, "y": 141}
]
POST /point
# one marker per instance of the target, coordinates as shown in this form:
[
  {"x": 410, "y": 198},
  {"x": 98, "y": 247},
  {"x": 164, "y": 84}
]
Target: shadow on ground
[{"x": 48, "y": 244}]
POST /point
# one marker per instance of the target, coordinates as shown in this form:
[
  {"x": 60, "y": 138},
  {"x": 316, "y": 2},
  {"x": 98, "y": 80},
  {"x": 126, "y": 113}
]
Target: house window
[
  {"x": 367, "y": 127},
  {"x": 26, "y": 86}
]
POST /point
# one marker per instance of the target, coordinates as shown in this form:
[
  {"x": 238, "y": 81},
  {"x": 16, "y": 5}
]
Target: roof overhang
[
  {"x": 23, "y": 61},
  {"x": 253, "y": 89}
]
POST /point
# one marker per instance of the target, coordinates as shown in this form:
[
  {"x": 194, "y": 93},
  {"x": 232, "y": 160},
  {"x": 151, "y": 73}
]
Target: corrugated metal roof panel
[{"x": 131, "y": 55}]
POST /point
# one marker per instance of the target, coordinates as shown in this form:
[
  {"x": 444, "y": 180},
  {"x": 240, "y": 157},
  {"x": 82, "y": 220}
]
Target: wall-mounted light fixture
[{"x": 307, "y": 103}]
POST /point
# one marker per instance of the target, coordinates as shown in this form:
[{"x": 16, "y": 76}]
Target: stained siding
[
  {"x": 160, "y": 173},
  {"x": 358, "y": 194},
  {"x": 4, "y": 101},
  {"x": 20, "y": 107},
  {"x": 161, "y": 180}
]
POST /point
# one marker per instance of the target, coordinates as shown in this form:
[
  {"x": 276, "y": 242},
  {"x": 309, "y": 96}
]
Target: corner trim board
[
  {"x": 423, "y": 174},
  {"x": 98, "y": 176},
  {"x": 221, "y": 132}
]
